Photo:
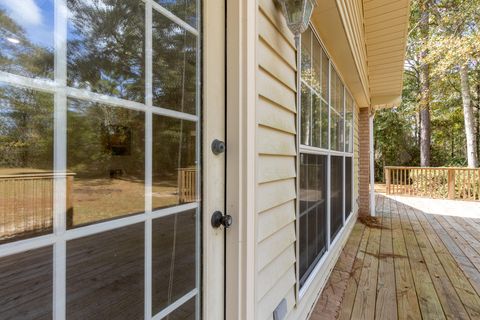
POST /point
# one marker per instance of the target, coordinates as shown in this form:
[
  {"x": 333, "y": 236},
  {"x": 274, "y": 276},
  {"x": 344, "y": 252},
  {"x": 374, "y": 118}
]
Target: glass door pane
[{"x": 99, "y": 159}]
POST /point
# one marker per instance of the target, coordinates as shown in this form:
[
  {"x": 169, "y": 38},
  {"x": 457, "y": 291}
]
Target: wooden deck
[{"x": 408, "y": 264}]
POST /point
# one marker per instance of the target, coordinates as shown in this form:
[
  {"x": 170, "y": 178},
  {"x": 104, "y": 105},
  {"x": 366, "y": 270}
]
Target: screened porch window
[{"x": 326, "y": 155}]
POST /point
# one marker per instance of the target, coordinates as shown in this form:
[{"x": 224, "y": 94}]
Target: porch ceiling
[
  {"x": 369, "y": 37},
  {"x": 386, "y": 28}
]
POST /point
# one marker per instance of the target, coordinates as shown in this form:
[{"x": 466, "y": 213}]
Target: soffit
[
  {"x": 328, "y": 21},
  {"x": 386, "y": 31},
  {"x": 366, "y": 40}
]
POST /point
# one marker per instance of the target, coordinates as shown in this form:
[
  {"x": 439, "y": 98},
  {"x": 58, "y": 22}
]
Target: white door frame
[
  {"x": 241, "y": 157},
  {"x": 213, "y": 126}
]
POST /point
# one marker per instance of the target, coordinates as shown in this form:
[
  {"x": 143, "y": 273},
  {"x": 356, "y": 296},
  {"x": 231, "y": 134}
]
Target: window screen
[
  {"x": 336, "y": 196},
  {"x": 313, "y": 208},
  {"x": 348, "y": 186}
]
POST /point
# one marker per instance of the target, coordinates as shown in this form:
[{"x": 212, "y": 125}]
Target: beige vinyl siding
[{"x": 276, "y": 162}]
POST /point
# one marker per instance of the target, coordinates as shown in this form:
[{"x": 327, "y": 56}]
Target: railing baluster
[{"x": 443, "y": 183}]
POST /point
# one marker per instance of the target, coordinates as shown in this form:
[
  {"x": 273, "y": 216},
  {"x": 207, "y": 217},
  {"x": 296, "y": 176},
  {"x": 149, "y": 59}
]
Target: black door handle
[
  {"x": 218, "y": 147},
  {"x": 219, "y": 219}
]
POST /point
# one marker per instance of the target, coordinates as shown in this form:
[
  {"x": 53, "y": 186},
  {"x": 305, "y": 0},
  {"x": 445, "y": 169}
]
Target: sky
[{"x": 35, "y": 16}]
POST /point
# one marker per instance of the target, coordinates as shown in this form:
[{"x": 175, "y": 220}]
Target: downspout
[{"x": 372, "y": 164}]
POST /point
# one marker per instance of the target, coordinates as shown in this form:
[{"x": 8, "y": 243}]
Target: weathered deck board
[
  {"x": 430, "y": 306},
  {"x": 386, "y": 306},
  {"x": 364, "y": 306},
  {"x": 448, "y": 253},
  {"x": 451, "y": 303},
  {"x": 340, "y": 277},
  {"x": 352, "y": 285},
  {"x": 410, "y": 264},
  {"x": 407, "y": 301}
]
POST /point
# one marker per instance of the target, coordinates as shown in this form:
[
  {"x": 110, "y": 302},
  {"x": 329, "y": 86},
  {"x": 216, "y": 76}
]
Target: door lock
[
  {"x": 218, "y": 147},
  {"x": 219, "y": 219}
]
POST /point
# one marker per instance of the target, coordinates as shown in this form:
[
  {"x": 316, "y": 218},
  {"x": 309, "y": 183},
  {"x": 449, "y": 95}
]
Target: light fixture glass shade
[{"x": 297, "y": 13}]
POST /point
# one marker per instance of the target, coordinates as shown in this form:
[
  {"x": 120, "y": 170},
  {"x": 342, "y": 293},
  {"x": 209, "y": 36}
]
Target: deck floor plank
[
  {"x": 352, "y": 285},
  {"x": 329, "y": 305},
  {"x": 472, "y": 226},
  {"x": 446, "y": 249},
  {"x": 469, "y": 259},
  {"x": 386, "y": 307},
  {"x": 451, "y": 303},
  {"x": 428, "y": 300},
  {"x": 364, "y": 306},
  {"x": 407, "y": 301},
  {"x": 410, "y": 264}
]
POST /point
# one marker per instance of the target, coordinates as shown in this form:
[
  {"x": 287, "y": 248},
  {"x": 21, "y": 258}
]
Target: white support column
[{"x": 372, "y": 165}]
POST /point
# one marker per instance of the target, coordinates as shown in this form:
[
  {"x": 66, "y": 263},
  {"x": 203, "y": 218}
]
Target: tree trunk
[
  {"x": 468, "y": 117},
  {"x": 425, "y": 130},
  {"x": 478, "y": 122}
]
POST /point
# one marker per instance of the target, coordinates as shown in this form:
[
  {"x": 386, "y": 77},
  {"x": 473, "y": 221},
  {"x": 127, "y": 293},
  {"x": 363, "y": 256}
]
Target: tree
[
  {"x": 425, "y": 130},
  {"x": 454, "y": 46},
  {"x": 26, "y": 116},
  {"x": 443, "y": 53}
]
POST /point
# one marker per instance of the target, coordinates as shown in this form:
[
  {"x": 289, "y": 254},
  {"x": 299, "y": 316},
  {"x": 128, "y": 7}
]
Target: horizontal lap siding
[{"x": 276, "y": 165}]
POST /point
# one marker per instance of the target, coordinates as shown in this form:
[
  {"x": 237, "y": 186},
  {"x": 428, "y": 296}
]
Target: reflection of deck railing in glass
[
  {"x": 187, "y": 185},
  {"x": 26, "y": 203},
  {"x": 439, "y": 183}
]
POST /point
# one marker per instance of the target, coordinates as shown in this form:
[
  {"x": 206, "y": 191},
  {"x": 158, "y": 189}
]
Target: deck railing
[
  {"x": 26, "y": 203},
  {"x": 437, "y": 183}
]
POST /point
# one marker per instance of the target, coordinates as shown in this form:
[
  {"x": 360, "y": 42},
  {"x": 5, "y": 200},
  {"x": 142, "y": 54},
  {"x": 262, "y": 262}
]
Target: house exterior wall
[
  {"x": 276, "y": 161},
  {"x": 276, "y": 196}
]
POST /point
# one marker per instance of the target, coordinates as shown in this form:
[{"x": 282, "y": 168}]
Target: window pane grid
[
  {"x": 47, "y": 86},
  {"x": 61, "y": 94},
  {"x": 320, "y": 81}
]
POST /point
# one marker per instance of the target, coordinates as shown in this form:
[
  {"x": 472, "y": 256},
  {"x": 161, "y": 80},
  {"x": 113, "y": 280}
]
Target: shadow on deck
[{"x": 419, "y": 259}]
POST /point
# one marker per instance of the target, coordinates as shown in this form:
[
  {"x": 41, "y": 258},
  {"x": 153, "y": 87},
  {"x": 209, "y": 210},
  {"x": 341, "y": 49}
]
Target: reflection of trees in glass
[
  {"x": 19, "y": 55},
  {"x": 184, "y": 9},
  {"x": 306, "y": 101},
  {"x": 174, "y": 66},
  {"x": 88, "y": 151},
  {"x": 106, "y": 41},
  {"x": 314, "y": 111},
  {"x": 173, "y": 146},
  {"x": 117, "y": 139},
  {"x": 26, "y": 128},
  {"x": 349, "y": 105}
]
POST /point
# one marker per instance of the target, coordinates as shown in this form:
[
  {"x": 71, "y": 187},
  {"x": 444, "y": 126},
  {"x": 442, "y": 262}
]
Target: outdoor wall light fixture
[{"x": 297, "y": 13}]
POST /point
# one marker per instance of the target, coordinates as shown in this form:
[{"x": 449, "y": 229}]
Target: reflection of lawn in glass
[
  {"x": 104, "y": 199},
  {"x": 165, "y": 194}
]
